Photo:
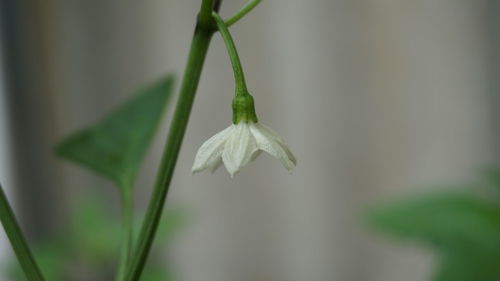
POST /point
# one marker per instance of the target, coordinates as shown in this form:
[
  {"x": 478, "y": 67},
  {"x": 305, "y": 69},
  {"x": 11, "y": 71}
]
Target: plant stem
[
  {"x": 242, "y": 12},
  {"x": 198, "y": 50},
  {"x": 128, "y": 232},
  {"x": 17, "y": 240},
  {"x": 233, "y": 54},
  {"x": 205, "y": 15}
]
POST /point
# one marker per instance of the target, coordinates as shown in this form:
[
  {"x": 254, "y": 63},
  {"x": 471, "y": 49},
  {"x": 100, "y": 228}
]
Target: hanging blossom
[{"x": 242, "y": 142}]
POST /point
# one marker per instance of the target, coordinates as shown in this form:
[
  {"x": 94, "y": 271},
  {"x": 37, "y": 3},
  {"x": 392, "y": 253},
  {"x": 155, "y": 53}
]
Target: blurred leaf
[
  {"x": 171, "y": 222},
  {"x": 49, "y": 256},
  {"x": 465, "y": 230},
  {"x": 155, "y": 272},
  {"x": 447, "y": 219},
  {"x": 464, "y": 266},
  {"x": 50, "y": 261},
  {"x": 115, "y": 146},
  {"x": 492, "y": 175},
  {"x": 94, "y": 232},
  {"x": 91, "y": 244}
]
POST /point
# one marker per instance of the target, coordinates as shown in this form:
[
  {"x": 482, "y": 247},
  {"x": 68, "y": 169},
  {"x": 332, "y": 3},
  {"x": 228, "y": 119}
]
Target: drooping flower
[
  {"x": 243, "y": 141},
  {"x": 240, "y": 143}
]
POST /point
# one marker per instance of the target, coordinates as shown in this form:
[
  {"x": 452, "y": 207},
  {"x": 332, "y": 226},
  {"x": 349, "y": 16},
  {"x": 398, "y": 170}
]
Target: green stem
[
  {"x": 17, "y": 240},
  {"x": 242, "y": 12},
  {"x": 198, "y": 50},
  {"x": 205, "y": 15},
  {"x": 233, "y": 54},
  {"x": 128, "y": 232}
]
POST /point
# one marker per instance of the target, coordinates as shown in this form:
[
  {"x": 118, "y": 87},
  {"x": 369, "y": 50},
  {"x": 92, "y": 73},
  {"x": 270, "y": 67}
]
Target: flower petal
[
  {"x": 255, "y": 155},
  {"x": 238, "y": 149},
  {"x": 271, "y": 143},
  {"x": 269, "y": 133},
  {"x": 209, "y": 154},
  {"x": 216, "y": 165}
]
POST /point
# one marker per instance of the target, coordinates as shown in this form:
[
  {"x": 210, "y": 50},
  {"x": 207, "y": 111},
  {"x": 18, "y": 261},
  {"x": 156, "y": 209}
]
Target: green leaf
[
  {"x": 116, "y": 145},
  {"x": 463, "y": 228},
  {"x": 464, "y": 266},
  {"x": 492, "y": 176},
  {"x": 49, "y": 256},
  {"x": 449, "y": 220}
]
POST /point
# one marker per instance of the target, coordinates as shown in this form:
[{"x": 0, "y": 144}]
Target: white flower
[{"x": 238, "y": 144}]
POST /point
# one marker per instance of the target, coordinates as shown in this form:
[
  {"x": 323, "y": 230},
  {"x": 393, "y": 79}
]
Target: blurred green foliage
[
  {"x": 460, "y": 224},
  {"x": 115, "y": 147},
  {"x": 87, "y": 248}
]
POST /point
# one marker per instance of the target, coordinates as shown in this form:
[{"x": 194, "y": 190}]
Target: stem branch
[{"x": 242, "y": 12}]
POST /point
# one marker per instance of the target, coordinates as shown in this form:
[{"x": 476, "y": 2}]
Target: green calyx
[{"x": 244, "y": 109}]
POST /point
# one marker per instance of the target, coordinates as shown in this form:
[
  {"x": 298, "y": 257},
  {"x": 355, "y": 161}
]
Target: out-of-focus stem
[
  {"x": 17, "y": 240},
  {"x": 128, "y": 232},
  {"x": 198, "y": 50}
]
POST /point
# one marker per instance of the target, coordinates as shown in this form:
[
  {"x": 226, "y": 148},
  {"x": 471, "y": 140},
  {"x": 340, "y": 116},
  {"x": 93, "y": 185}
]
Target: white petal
[
  {"x": 269, "y": 133},
  {"x": 255, "y": 155},
  {"x": 216, "y": 165},
  {"x": 238, "y": 149},
  {"x": 209, "y": 154},
  {"x": 271, "y": 143}
]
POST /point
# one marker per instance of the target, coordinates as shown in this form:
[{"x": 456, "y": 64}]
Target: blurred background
[{"x": 376, "y": 98}]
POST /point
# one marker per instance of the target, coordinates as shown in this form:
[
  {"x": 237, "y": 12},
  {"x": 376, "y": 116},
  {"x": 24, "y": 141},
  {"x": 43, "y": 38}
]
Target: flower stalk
[
  {"x": 239, "y": 77},
  {"x": 243, "y": 103}
]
